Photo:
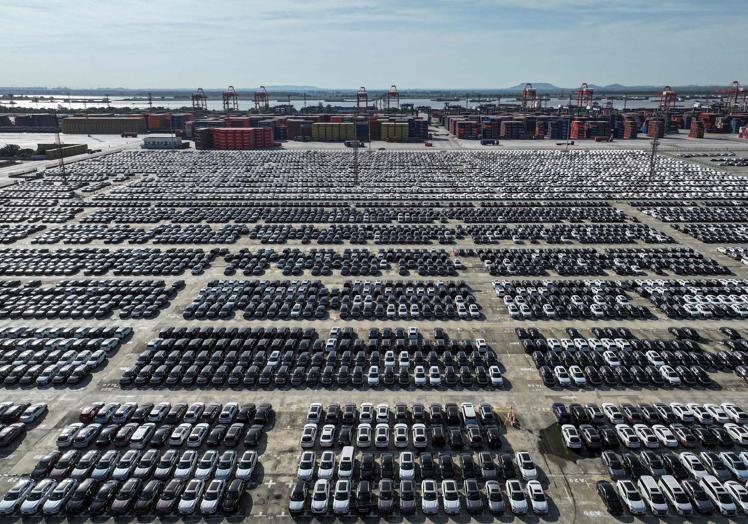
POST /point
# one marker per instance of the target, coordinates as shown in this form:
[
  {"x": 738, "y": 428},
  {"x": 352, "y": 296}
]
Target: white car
[
  {"x": 32, "y": 413},
  {"x": 320, "y": 496},
  {"x": 669, "y": 375},
  {"x": 246, "y": 465},
  {"x": 226, "y": 465},
  {"x": 735, "y": 413},
  {"x": 562, "y": 376},
  {"x": 738, "y": 434},
  {"x": 191, "y": 496},
  {"x": 611, "y": 359},
  {"x": 516, "y": 497},
  {"x": 526, "y": 465},
  {"x": 718, "y": 413},
  {"x": 682, "y": 412},
  {"x": 450, "y": 496},
  {"x": 612, "y": 413},
  {"x": 179, "y": 434},
  {"x": 407, "y": 469},
  {"x": 363, "y": 435},
  {"x": 37, "y": 496},
  {"x": 497, "y": 379},
  {"x": 372, "y": 376},
  {"x": 692, "y": 464},
  {"x": 212, "y": 496},
  {"x": 628, "y": 436},
  {"x": 307, "y": 461},
  {"x": 16, "y": 495},
  {"x": 420, "y": 440},
  {"x": 314, "y": 415},
  {"x": 718, "y": 495},
  {"x": 326, "y": 465},
  {"x": 400, "y": 435},
  {"x": 327, "y": 437},
  {"x": 646, "y": 435},
  {"x": 654, "y": 358},
  {"x": 739, "y": 494},
  {"x": 675, "y": 495},
  {"x": 700, "y": 413},
  {"x": 630, "y": 497},
  {"x": 735, "y": 464},
  {"x": 435, "y": 377},
  {"x": 577, "y": 376},
  {"x": 382, "y": 435},
  {"x": 207, "y": 464},
  {"x": 59, "y": 496},
  {"x": 308, "y": 436},
  {"x": 571, "y": 436},
  {"x": 186, "y": 464},
  {"x": 537, "y": 498},
  {"x": 429, "y": 497},
  {"x": 419, "y": 376},
  {"x": 341, "y": 501},
  {"x": 665, "y": 436}
]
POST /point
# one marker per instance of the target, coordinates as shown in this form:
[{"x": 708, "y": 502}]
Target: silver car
[{"x": 212, "y": 497}]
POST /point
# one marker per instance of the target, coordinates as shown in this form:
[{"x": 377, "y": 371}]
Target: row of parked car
[
  {"x": 100, "y": 261},
  {"x": 275, "y": 299},
  {"x": 587, "y": 261},
  {"x": 113, "y": 462},
  {"x": 85, "y": 233},
  {"x": 239, "y": 177},
  {"x": 698, "y": 299},
  {"x": 715, "y": 233},
  {"x": 16, "y": 417},
  {"x": 10, "y": 233},
  {"x": 86, "y": 299},
  {"x": 266, "y": 358},
  {"x": 569, "y": 299}
]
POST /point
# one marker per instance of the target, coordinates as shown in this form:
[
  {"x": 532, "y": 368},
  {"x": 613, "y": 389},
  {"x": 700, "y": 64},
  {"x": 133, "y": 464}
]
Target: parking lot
[{"x": 415, "y": 247}]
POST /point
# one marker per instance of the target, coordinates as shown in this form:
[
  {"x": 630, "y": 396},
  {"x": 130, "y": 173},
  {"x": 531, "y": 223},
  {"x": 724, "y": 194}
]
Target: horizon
[{"x": 482, "y": 43}]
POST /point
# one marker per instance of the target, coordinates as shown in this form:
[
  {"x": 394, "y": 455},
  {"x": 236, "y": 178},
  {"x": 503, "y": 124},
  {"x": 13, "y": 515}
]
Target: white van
[
  {"x": 652, "y": 495},
  {"x": 345, "y": 465}
]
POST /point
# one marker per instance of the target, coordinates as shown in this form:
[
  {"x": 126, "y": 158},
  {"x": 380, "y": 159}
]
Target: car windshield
[
  {"x": 429, "y": 495},
  {"x": 517, "y": 495},
  {"x": 190, "y": 494},
  {"x": 320, "y": 495},
  {"x": 211, "y": 495}
]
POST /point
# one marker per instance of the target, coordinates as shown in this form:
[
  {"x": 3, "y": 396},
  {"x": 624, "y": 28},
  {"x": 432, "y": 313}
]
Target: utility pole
[{"x": 568, "y": 132}]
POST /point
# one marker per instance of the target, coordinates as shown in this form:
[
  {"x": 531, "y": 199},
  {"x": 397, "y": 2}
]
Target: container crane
[
  {"x": 392, "y": 97},
  {"x": 362, "y": 99},
  {"x": 668, "y": 97},
  {"x": 230, "y": 100},
  {"x": 262, "y": 99},
  {"x": 199, "y": 100},
  {"x": 529, "y": 97},
  {"x": 736, "y": 101},
  {"x": 584, "y": 95}
]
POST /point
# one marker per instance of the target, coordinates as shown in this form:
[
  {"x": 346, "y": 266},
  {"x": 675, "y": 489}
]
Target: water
[{"x": 116, "y": 102}]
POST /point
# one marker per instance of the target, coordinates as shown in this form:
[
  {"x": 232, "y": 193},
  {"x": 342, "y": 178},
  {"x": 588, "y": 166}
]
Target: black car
[
  {"x": 364, "y": 498},
  {"x": 506, "y": 465},
  {"x": 103, "y": 497},
  {"x": 82, "y": 496},
  {"x": 633, "y": 465},
  {"x": 233, "y": 496},
  {"x": 608, "y": 493},
  {"x": 698, "y": 497},
  {"x": 147, "y": 497},
  {"x": 609, "y": 437},
  {"x": 561, "y": 413},
  {"x": 45, "y": 465},
  {"x": 125, "y": 497},
  {"x": 547, "y": 376}
]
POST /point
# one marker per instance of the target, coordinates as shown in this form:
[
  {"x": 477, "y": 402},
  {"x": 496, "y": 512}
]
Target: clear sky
[{"x": 334, "y": 44}]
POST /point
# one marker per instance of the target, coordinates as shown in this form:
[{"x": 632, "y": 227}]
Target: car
[
  {"x": 526, "y": 465},
  {"x": 628, "y": 436},
  {"x": 516, "y": 496},
  {"x": 675, "y": 495},
  {"x": 450, "y": 497},
  {"x": 630, "y": 497},
  {"x": 190, "y": 498},
  {"x": 429, "y": 497},
  {"x": 735, "y": 464},
  {"x": 16, "y": 496},
  {"x": 126, "y": 464},
  {"x": 692, "y": 464},
  {"x": 652, "y": 494},
  {"x": 607, "y": 493},
  {"x": 211, "y": 499},
  {"x": 739, "y": 494},
  {"x": 646, "y": 436},
  {"x": 104, "y": 497},
  {"x": 407, "y": 469},
  {"x": 538, "y": 500},
  {"x": 169, "y": 496},
  {"x": 297, "y": 498},
  {"x": 571, "y": 436},
  {"x": 83, "y": 496},
  {"x": 738, "y": 434},
  {"x": 665, "y": 436},
  {"x": 147, "y": 497},
  {"x": 719, "y": 496},
  {"x": 341, "y": 500},
  {"x": 327, "y": 436},
  {"x": 308, "y": 436},
  {"x": 125, "y": 497}
]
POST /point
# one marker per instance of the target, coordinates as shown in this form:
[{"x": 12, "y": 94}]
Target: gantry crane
[
  {"x": 230, "y": 100},
  {"x": 199, "y": 100},
  {"x": 262, "y": 99},
  {"x": 584, "y": 95},
  {"x": 668, "y": 97},
  {"x": 736, "y": 99},
  {"x": 529, "y": 97},
  {"x": 392, "y": 98}
]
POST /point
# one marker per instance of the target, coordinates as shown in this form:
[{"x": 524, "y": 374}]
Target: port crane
[
  {"x": 199, "y": 100},
  {"x": 262, "y": 99},
  {"x": 230, "y": 100},
  {"x": 362, "y": 99},
  {"x": 736, "y": 101},
  {"x": 668, "y": 98},
  {"x": 584, "y": 95},
  {"x": 529, "y": 97},
  {"x": 392, "y": 98}
]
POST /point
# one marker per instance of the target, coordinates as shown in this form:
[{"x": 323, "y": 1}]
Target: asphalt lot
[{"x": 569, "y": 480}]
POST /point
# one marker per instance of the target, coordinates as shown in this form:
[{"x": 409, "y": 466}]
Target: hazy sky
[{"x": 331, "y": 43}]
